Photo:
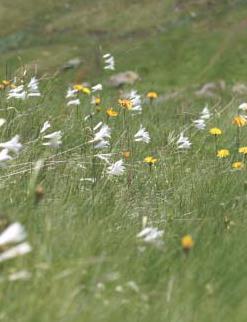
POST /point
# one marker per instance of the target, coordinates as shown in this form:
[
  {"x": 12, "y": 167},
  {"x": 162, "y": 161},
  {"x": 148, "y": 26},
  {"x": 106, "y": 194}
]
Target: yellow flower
[
  {"x": 238, "y": 165},
  {"x": 111, "y": 113},
  {"x": 82, "y": 89},
  {"x": 239, "y": 121},
  {"x": 150, "y": 160},
  {"x": 152, "y": 95},
  {"x": 187, "y": 242},
  {"x": 97, "y": 100},
  {"x": 125, "y": 103},
  {"x": 223, "y": 153},
  {"x": 243, "y": 150},
  {"x": 126, "y": 154},
  {"x": 215, "y": 131}
]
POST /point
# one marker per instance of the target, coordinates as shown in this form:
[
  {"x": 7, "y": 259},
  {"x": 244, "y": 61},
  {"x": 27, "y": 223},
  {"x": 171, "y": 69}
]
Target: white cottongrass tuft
[
  {"x": 75, "y": 102},
  {"x": 45, "y": 126},
  {"x": 200, "y": 124},
  {"x": 205, "y": 114},
  {"x": 12, "y": 145},
  {"x": 109, "y": 62},
  {"x": 33, "y": 88},
  {"x": 97, "y": 88},
  {"x": 4, "y": 156},
  {"x": 14, "y": 233},
  {"x": 142, "y": 135},
  {"x": 243, "y": 107},
  {"x": 116, "y": 169},
  {"x": 19, "y": 250},
  {"x": 151, "y": 235},
  {"x": 183, "y": 142},
  {"x": 54, "y": 139}
]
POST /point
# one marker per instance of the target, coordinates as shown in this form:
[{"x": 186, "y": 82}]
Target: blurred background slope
[{"x": 170, "y": 42}]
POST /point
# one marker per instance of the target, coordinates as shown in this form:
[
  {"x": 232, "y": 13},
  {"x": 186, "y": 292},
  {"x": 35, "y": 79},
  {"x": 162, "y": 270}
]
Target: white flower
[
  {"x": 142, "y": 135},
  {"x": 102, "y": 144},
  {"x": 20, "y": 275},
  {"x": 104, "y": 132},
  {"x": 136, "y": 101},
  {"x": 54, "y": 139},
  {"x": 97, "y": 88},
  {"x": 205, "y": 114},
  {"x": 243, "y": 107},
  {"x": 14, "y": 233},
  {"x": 17, "y": 92},
  {"x": 13, "y": 252},
  {"x": 151, "y": 235},
  {"x": 33, "y": 85},
  {"x": 2, "y": 121},
  {"x": 183, "y": 142},
  {"x": 45, "y": 126},
  {"x": 74, "y": 102},
  {"x": 116, "y": 169},
  {"x": 200, "y": 124},
  {"x": 109, "y": 61},
  {"x": 13, "y": 145},
  {"x": 71, "y": 93},
  {"x": 4, "y": 156}
]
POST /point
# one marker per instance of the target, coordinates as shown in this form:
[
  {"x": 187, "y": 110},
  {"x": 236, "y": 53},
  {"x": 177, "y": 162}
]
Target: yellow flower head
[
  {"x": 223, "y": 153},
  {"x": 238, "y": 165},
  {"x": 97, "y": 100},
  {"x": 125, "y": 103},
  {"x": 126, "y": 154},
  {"x": 82, "y": 89},
  {"x": 215, "y": 131},
  {"x": 111, "y": 113},
  {"x": 239, "y": 121},
  {"x": 152, "y": 95},
  {"x": 187, "y": 242},
  {"x": 150, "y": 160},
  {"x": 243, "y": 150}
]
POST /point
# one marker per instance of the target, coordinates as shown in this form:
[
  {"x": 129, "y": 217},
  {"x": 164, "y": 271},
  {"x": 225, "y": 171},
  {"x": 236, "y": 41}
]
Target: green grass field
[{"x": 87, "y": 263}]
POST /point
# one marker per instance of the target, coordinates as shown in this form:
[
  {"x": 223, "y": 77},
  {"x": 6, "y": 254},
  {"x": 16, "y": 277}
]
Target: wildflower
[
  {"x": 187, "y": 242},
  {"x": 71, "y": 93},
  {"x": 183, "y": 142},
  {"x": 4, "y": 156},
  {"x": 14, "y": 233},
  {"x": 81, "y": 88},
  {"x": 33, "y": 87},
  {"x": 95, "y": 100},
  {"x": 205, "y": 114},
  {"x": 200, "y": 124},
  {"x": 12, "y": 145},
  {"x": 135, "y": 98},
  {"x": 126, "y": 154},
  {"x": 238, "y": 165},
  {"x": 18, "y": 93},
  {"x": 116, "y": 169},
  {"x": 86, "y": 90},
  {"x": 102, "y": 144},
  {"x": 54, "y": 139},
  {"x": 103, "y": 133},
  {"x": 152, "y": 95},
  {"x": 243, "y": 107},
  {"x": 151, "y": 235},
  {"x": 243, "y": 150},
  {"x": 111, "y": 113},
  {"x": 109, "y": 62},
  {"x": 45, "y": 126},
  {"x": 74, "y": 102},
  {"x": 97, "y": 88},
  {"x": 223, "y": 153},
  {"x": 239, "y": 121},
  {"x": 125, "y": 103},
  {"x": 215, "y": 131},
  {"x": 2, "y": 122},
  {"x": 19, "y": 250},
  {"x": 142, "y": 135},
  {"x": 150, "y": 160}
]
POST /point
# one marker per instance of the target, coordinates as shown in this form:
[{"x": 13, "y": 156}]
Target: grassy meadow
[{"x": 86, "y": 217}]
